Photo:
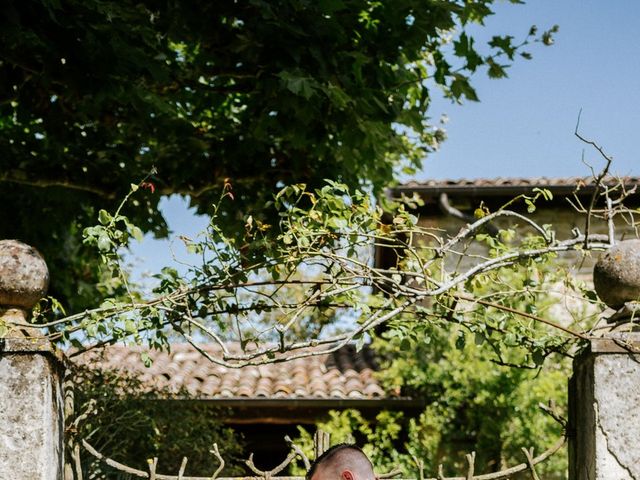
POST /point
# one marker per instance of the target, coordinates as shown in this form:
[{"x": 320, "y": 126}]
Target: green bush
[{"x": 132, "y": 424}]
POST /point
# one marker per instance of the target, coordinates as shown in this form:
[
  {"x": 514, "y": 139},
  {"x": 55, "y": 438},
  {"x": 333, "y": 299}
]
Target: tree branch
[{"x": 11, "y": 177}]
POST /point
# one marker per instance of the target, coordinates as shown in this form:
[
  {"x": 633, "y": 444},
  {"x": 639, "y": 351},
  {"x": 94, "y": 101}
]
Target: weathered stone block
[
  {"x": 31, "y": 410},
  {"x": 604, "y": 405}
]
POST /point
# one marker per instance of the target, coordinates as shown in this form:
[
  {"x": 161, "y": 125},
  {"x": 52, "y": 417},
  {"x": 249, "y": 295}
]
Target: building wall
[{"x": 562, "y": 220}]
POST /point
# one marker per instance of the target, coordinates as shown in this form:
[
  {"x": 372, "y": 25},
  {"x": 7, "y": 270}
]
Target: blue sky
[{"x": 523, "y": 125}]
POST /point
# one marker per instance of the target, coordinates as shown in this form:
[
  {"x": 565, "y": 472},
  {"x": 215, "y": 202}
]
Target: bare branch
[
  {"x": 471, "y": 462},
  {"x": 21, "y": 178},
  {"x": 393, "y": 473},
  {"x": 77, "y": 462},
  {"x": 216, "y": 453},
  {"x": 153, "y": 463},
  {"x": 183, "y": 467},
  {"x": 508, "y": 472},
  {"x": 523, "y": 314},
  {"x": 299, "y": 452},
  {"x": 598, "y": 179},
  {"x": 530, "y": 462},
  {"x": 609, "y": 214},
  {"x": 445, "y": 206},
  {"x": 274, "y": 471},
  {"x": 551, "y": 411},
  {"x": 420, "y": 465},
  {"x": 321, "y": 441},
  {"x": 142, "y": 474}
]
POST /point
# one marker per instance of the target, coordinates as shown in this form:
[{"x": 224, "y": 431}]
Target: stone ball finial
[
  {"x": 24, "y": 276},
  {"x": 616, "y": 275}
]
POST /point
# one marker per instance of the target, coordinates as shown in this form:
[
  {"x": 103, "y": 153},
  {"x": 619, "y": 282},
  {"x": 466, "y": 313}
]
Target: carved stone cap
[
  {"x": 24, "y": 276},
  {"x": 31, "y": 346},
  {"x": 616, "y": 275},
  {"x": 617, "y": 342}
]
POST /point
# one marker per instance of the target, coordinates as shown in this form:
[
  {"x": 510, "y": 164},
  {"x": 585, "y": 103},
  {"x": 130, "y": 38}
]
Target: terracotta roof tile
[
  {"x": 519, "y": 181},
  {"x": 374, "y": 390},
  {"x": 345, "y": 374},
  {"x": 496, "y": 186}
]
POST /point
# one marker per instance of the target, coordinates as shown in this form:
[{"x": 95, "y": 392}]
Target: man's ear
[{"x": 347, "y": 475}]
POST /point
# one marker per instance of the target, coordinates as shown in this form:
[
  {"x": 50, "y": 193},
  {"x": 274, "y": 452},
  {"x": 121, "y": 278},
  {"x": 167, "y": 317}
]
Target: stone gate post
[
  {"x": 31, "y": 373},
  {"x": 604, "y": 410},
  {"x": 604, "y": 392}
]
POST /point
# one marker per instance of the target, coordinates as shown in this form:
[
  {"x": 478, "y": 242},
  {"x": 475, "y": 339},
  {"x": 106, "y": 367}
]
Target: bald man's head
[{"x": 342, "y": 462}]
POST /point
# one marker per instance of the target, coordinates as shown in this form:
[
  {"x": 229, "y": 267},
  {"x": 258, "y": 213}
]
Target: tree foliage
[
  {"x": 246, "y": 98},
  {"x": 444, "y": 293},
  {"x": 97, "y": 94},
  {"x": 324, "y": 249}
]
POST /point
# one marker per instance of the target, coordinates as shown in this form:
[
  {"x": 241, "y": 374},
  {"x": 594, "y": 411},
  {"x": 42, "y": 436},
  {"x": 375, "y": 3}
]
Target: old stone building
[{"x": 450, "y": 204}]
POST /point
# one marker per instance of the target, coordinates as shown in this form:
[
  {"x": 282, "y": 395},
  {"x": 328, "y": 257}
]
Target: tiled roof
[
  {"x": 508, "y": 185},
  {"x": 343, "y": 375}
]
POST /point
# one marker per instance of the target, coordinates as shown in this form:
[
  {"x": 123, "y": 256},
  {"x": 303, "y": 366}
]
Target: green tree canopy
[{"x": 96, "y": 94}]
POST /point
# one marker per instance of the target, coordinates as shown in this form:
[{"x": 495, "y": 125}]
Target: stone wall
[{"x": 562, "y": 220}]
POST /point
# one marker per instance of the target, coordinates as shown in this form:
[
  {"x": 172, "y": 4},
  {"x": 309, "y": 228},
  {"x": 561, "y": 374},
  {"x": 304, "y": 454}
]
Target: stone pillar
[
  {"x": 604, "y": 410},
  {"x": 31, "y": 373},
  {"x": 604, "y": 392}
]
